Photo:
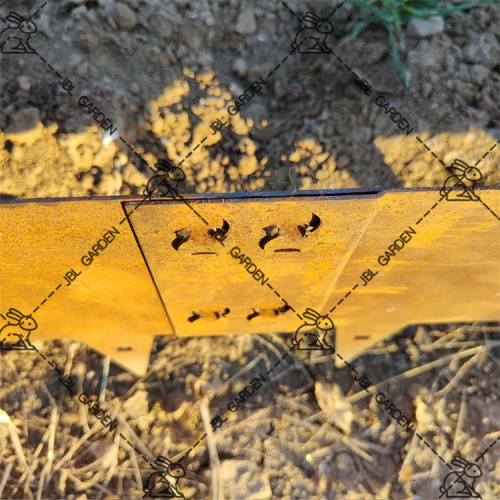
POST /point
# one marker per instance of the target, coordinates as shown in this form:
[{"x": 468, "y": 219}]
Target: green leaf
[
  {"x": 395, "y": 56},
  {"x": 395, "y": 14}
]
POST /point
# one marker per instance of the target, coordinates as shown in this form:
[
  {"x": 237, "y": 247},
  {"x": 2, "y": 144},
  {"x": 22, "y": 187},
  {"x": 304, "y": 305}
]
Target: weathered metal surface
[
  {"x": 112, "y": 306},
  {"x": 449, "y": 271},
  {"x": 203, "y": 276}
]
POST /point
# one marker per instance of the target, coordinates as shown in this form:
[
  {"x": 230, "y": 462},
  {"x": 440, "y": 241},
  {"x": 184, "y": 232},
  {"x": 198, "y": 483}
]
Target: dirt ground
[{"x": 163, "y": 72}]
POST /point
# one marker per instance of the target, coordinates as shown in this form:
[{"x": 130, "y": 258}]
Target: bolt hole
[
  {"x": 221, "y": 314},
  {"x": 307, "y": 229},
  {"x": 272, "y": 232},
  {"x": 8, "y": 146},
  {"x": 361, "y": 337},
  {"x": 256, "y": 312},
  {"x": 219, "y": 232},
  {"x": 281, "y": 310},
  {"x": 196, "y": 315},
  {"x": 182, "y": 236},
  {"x": 287, "y": 250}
]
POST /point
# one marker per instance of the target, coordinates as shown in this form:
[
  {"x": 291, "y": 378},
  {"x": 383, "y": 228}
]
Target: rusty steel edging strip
[{"x": 97, "y": 303}]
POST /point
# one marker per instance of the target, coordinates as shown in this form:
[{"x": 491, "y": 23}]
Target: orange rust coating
[
  {"x": 112, "y": 305},
  {"x": 448, "y": 272},
  {"x": 203, "y": 276}
]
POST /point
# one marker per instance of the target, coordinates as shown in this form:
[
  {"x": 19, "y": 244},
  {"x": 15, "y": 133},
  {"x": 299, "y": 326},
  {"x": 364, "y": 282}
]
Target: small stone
[
  {"x": 426, "y": 55},
  {"x": 210, "y": 21},
  {"x": 78, "y": 12},
  {"x": 240, "y": 67},
  {"x": 124, "y": 17},
  {"x": 425, "y": 27},
  {"x": 246, "y": 24},
  {"x": 106, "y": 185},
  {"x": 87, "y": 181},
  {"x": 322, "y": 174},
  {"x": 87, "y": 43},
  {"x": 24, "y": 83},
  {"x": 479, "y": 74},
  {"x": 25, "y": 119},
  {"x": 133, "y": 177},
  {"x": 470, "y": 51},
  {"x": 248, "y": 165}
]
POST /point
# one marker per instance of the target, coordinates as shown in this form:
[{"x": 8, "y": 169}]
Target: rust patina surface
[{"x": 165, "y": 271}]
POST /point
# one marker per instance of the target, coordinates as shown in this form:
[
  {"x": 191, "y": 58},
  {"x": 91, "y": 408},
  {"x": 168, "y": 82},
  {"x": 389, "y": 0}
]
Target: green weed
[{"x": 395, "y": 14}]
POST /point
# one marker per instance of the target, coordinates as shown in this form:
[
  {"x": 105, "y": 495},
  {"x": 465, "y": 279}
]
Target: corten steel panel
[
  {"x": 203, "y": 276},
  {"x": 449, "y": 271},
  {"x": 113, "y": 304}
]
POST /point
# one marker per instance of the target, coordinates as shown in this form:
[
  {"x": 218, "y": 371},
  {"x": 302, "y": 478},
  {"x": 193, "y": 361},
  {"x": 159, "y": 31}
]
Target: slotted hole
[
  {"x": 196, "y": 315},
  {"x": 287, "y": 250},
  {"x": 307, "y": 229},
  {"x": 221, "y": 314},
  {"x": 125, "y": 348},
  {"x": 225, "y": 228},
  {"x": 272, "y": 232},
  {"x": 281, "y": 310},
  {"x": 361, "y": 337},
  {"x": 182, "y": 236},
  {"x": 204, "y": 253},
  {"x": 255, "y": 313}
]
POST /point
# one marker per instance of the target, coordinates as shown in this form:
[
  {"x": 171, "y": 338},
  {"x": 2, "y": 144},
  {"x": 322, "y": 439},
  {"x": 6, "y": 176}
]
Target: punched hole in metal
[
  {"x": 287, "y": 250},
  {"x": 361, "y": 337},
  {"x": 255, "y": 313},
  {"x": 181, "y": 237},
  {"x": 281, "y": 310},
  {"x": 307, "y": 229},
  {"x": 224, "y": 312},
  {"x": 196, "y": 315}
]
